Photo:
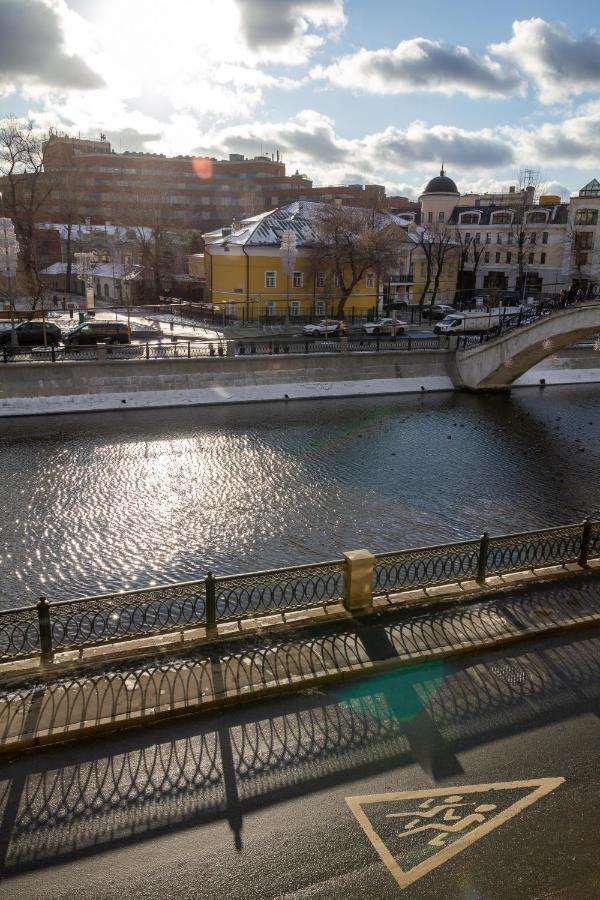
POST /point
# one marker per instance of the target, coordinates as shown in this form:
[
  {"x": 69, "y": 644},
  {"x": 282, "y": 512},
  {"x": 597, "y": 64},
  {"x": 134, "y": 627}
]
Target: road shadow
[{"x": 69, "y": 802}]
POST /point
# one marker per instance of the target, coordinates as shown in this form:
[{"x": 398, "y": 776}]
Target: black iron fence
[
  {"x": 72, "y": 624},
  {"x": 262, "y": 346}
]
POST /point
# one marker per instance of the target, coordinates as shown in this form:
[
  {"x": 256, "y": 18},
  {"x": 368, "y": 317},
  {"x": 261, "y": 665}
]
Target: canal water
[{"x": 112, "y": 501}]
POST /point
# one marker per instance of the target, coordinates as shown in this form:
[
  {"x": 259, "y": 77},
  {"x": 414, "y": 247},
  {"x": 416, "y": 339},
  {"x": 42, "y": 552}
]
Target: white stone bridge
[{"x": 497, "y": 363}]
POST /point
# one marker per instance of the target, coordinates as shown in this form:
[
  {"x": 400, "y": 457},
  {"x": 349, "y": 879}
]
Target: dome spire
[{"x": 442, "y": 170}]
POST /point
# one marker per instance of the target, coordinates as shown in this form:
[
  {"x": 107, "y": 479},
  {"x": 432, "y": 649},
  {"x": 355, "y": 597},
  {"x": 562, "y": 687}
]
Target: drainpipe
[{"x": 247, "y": 283}]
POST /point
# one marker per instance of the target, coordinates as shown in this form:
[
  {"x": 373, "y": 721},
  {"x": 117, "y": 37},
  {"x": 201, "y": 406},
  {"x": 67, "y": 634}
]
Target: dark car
[
  {"x": 99, "y": 332},
  {"x": 31, "y": 334},
  {"x": 438, "y": 311}
]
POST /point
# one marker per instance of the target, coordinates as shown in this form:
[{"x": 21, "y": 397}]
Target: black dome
[{"x": 441, "y": 184}]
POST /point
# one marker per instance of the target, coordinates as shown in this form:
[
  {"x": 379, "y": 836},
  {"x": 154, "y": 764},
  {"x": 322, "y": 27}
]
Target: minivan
[{"x": 99, "y": 332}]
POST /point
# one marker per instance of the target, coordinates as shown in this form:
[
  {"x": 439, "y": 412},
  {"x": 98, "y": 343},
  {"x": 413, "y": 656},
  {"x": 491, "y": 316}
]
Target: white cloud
[
  {"x": 575, "y": 141},
  {"x": 421, "y": 65},
  {"x": 557, "y": 63},
  {"x": 34, "y": 49},
  {"x": 289, "y": 30}
]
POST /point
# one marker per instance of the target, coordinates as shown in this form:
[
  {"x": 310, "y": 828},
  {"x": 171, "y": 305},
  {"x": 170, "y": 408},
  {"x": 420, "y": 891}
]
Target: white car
[
  {"x": 385, "y": 326},
  {"x": 325, "y": 326}
]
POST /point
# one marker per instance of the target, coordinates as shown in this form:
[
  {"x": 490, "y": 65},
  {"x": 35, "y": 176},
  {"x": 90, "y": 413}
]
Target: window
[
  {"x": 584, "y": 240},
  {"x": 106, "y": 290},
  {"x": 295, "y": 308},
  {"x": 502, "y": 218},
  {"x": 477, "y": 237},
  {"x": 542, "y": 258},
  {"x": 498, "y": 238},
  {"x": 509, "y": 257},
  {"x": 486, "y": 257},
  {"x": 544, "y": 237},
  {"x": 105, "y": 256},
  {"x": 586, "y": 217},
  {"x": 488, "y": 238},
  {"x": 582, "y": 259},
  {"x": 320, "y": 280},
  {"x": 467, "y": 236},
  {"x": 271, "y": 308},
  {"x": 469, "y": 219},
  {"x": 370, "y": 280},
  {"x": 320, "y": 308},
  {"x": 532, "y": 237},
  {"x": 497, "y": 257},
  {"x": 298, "y": 279},
  {"x": 537, "y": 216},
  {"x": 430, "y": 217},
  {"x": 511, "y": 238},
  {"x": 440, "y": 216},
  {"x": 270, "y": 279},
  {"x": 531, "y": 257}
]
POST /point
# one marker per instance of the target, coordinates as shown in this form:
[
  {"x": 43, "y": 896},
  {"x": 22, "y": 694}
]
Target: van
[{"x": 99, "y": 332}]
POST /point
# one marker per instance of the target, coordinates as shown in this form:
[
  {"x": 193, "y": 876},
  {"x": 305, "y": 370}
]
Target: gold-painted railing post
[{"x": 358, "y": 595}]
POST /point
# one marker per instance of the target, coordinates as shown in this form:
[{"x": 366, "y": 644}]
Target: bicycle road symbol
[{"x": 415, "y": 831}]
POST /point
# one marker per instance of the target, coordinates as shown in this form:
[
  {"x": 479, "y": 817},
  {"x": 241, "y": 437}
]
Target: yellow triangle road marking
[{"x": 416, "y": 831}]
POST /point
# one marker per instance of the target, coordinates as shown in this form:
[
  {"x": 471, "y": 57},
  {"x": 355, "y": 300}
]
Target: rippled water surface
[{"x": 123, "y": 500}]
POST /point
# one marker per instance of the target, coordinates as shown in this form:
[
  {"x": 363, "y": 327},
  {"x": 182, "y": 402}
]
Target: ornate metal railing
[
  {"x": 423, "y": 566},
  {"x": 114, "y": 617}
]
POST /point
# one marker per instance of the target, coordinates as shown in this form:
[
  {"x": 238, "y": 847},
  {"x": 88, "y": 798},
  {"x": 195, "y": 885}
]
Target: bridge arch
[{"x": 497, "y": 363}]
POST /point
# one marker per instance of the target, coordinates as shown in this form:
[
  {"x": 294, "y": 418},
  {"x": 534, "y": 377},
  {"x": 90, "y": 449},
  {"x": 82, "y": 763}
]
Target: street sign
[{"x": 415, "y": 831}]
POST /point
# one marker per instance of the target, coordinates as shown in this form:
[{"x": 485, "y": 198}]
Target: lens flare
[{"x": 203, "y": 167}]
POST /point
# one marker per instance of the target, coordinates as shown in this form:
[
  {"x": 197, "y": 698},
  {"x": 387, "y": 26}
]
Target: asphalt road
[{"x": 253, "y": 803}]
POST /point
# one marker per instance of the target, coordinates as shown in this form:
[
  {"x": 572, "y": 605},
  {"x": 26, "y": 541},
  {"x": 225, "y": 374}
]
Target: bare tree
[
  {"x": 352, "y": 241},
  {"x": 437, "y": 244},
  {"x": 469, "y": 252},
  {"x": 26, "y": 189}
]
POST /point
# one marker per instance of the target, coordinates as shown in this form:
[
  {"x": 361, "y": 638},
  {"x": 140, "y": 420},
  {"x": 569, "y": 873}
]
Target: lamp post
[
  {"x": 85, "y": 266},
  {"x": 289, "y": 252},
  {"x": 9, "y": 249}
]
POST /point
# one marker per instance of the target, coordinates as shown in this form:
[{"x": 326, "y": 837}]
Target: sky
[{"x": 348, "y": 91}]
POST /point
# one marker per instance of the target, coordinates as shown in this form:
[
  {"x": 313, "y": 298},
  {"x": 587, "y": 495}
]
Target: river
[{"x": 115, "y": 501}]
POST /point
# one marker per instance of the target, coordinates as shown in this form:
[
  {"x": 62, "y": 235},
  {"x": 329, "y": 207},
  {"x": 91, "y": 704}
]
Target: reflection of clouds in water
[{"x": 123, "y": 500}]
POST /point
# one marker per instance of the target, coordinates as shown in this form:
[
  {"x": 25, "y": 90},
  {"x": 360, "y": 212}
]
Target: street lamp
[
  {"x": 85, "y": 266},
  {"x": 9, "y": 249},
  {"x": 288, "y": 252}
]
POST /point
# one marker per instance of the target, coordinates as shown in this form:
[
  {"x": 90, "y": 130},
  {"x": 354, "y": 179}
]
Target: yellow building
[{"x": 266, "y": 267}]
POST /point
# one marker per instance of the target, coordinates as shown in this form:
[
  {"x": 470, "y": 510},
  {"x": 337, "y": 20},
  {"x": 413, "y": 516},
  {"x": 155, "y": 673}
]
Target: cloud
[
  {"x": 555, "y": 61},
  {"x": 575, "y": 141},
  {"x": 310, "y": 143},
  {"x": 32, "y": 48},
  {"x": 421, "y": 65},
  {"x": 269, "y": 25}
]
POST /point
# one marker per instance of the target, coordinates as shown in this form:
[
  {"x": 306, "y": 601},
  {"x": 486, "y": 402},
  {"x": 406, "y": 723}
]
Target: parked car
[
  {"x": 437, "y": 311},
  {"x": 99, "y": 332},
  {"x": 385, "y": 326},
  {"x": 325, "y": 326},
  {"x": 31, "y": 334}
]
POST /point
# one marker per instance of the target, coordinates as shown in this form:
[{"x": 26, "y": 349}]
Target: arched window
[
  {"x": 469, "y": 218},
  {"x": 537, "y": 217},
  {"x": 502, "y": 218},
  {"x": 106, "y": 290}
]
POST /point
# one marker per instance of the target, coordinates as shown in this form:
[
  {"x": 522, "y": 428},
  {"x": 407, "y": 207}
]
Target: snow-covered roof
[
  {"x": 267, "y": 229},
  {"x": 83, "y": 232},
  {"x": 117, "y": 271}
]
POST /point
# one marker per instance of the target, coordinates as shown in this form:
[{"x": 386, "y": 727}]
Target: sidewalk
[{"x": 231, "y": 671}]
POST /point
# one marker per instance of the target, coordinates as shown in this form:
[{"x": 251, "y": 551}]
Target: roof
[
  {"x": 117, "y": 271},
  {"x": 441, "y": 184},
  {"x": 82, "y": 232},
  {"x": 267, "y": 229},
  {"x": 557, "y": 214}
]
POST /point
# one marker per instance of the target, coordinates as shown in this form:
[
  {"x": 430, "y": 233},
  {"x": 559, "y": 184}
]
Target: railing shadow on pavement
[{"x": 62, "y": 804}]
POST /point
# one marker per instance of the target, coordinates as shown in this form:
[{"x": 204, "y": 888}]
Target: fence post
[
  {"x": 52, "y": 353},
  {"x": 189, "y": 349},
  {"x": 43, "y": 611},
  {"x": 586, "y": 535},
  {"x": 211, "y": 603},
  {"x": 484, "y": 544},
  {"x": 343, "y": 344},
  {"x": 409, "y": 342},
  {"x": 358, "y": 594},
  {"x": 377, "y": 344},
  {"x": 147, "y": 350}
]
